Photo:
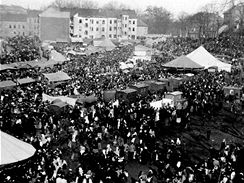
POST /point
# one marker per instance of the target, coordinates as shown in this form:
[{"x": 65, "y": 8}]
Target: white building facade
[{"x": 104, "y": 24}]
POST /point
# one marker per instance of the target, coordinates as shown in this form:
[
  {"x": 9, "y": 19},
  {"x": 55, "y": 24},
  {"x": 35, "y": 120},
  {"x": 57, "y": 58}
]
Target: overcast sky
[{"x": 174, "y": 6}]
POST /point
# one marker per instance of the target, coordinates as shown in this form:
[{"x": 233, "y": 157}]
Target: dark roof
[
  {"x": 83, "y": 12},
  {"x": 12, "y": 9},
  {"x": 140, "y": 23},
  {"x": 33, "y": 13},
  {"x": 9, "y": 17}
]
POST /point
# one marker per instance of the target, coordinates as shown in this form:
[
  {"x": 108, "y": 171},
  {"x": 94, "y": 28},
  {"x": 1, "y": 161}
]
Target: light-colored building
[
  {"x": 54, "y": 25},
  {"x": 142, "y": 28},
  {"x": 33, "y": 22},
  {"x": 13, "y": 25},
  {"x": 15, "y": 20},
  {"x": 98, "y": 23}
]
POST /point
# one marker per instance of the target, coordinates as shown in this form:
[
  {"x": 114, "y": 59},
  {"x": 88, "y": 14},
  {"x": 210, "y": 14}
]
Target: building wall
[
  {"x": 11, "y": 29},
  {"x": 54, "y": 28},
  {"x": 142, "y": 31},
  {"x": 97, "y": 27},
  {"x": 33, "y": 26}
]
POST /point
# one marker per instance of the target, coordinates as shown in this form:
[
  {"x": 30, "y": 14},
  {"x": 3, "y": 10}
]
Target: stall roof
[
  {"x": 57, "y": 76},
  {"x": 25, "y": 81},
  {"x": 5, "y": 67},
  {"x": 128, "y": 90},
  {"x": 8, "y": 83},
  {"x": 176, "y": 93}
]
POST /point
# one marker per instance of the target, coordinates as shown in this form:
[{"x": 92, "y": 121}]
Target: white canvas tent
[
  {"x": 13, "y": 150},
  {"x": 107, "y": 44},
  {"x": 202, "y": 57}
]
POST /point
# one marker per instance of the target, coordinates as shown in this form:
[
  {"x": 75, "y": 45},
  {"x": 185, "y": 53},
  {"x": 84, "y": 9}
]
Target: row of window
[
  {"x": 103, "y": 21},
  {"x": 18, "y": 33},
  {"x": 15, "y": 26}
]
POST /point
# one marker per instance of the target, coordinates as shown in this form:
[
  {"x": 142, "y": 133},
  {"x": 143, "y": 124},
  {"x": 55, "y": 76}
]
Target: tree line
[{"x": 205, "y": 23}]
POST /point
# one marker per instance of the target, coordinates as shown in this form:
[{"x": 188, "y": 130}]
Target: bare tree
[
  {"x": 75, "y": 4},
  {"x": 113, "y": 5}
]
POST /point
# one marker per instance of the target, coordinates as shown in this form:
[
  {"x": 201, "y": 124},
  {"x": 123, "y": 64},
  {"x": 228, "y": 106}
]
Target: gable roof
[
  {"x": 140, "y": 23},
  {"x": 183, "y": 62},
  {"x": 57, "y": 76}
]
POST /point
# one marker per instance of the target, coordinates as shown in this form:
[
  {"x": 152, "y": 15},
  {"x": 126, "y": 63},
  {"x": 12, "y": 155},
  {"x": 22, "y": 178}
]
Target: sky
[{"x": 174, "y": 6}]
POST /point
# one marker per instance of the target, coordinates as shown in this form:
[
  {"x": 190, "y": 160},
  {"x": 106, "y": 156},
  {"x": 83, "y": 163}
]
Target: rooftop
[
  {"x": 9, "y": 17},
  {"x": 83, "y": 12},
  {"x": 140, "y": 23}
]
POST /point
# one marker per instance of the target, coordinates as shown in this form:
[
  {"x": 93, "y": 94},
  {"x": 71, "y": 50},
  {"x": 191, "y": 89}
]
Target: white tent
[
  {"x": 13, "y": 150},
  {"x": 205, "y": 59}
]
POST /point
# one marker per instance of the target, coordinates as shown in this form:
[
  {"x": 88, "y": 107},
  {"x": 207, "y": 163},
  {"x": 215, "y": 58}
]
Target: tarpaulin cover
[
  {"x": 184, "y": 63},
  {"x": 68, "y": 100},
  {"x": 57, "y": 76},
  {"x": 204, "y": 58},
  {"x": 25, "y": 81},
  {"x": 13, "y": 149},
  {"x": 8, "y": 83},
  {"x": 109, "y": 95}
]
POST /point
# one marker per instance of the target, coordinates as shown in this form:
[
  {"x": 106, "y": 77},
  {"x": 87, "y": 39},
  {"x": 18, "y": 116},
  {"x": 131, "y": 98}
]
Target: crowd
[{"x": 96, "y": 142}]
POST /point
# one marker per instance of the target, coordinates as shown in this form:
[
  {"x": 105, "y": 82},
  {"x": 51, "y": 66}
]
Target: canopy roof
[
  {"x": 107, "y": 44},
  {"x": 183, "y": 62},
  {"x": 141, "y": 48},
  {"x": 56, "y": 56},
  {"x": 25, "y": 81},
  {"x": 202, "y": 57},
  {"x": 5, "y": 67},
  {"x": 13, "y": 149},
  {"x": 8, "y": 83},
  {"x": 57, "y": 76}
]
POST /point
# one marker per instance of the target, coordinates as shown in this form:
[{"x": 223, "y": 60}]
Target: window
[
  {"x": 14, "y": 32},
  {"x": 125, "y": 25},
  {"x": 129, "y": 29},
  {"x": 23, "y": 33},
  {"x": 110, "y": 36},
  {"x": 103, "y": 21},
  {"x": 115, "y": 36},
  {"x": 125, "y": 18},
  {"x": 133, "y": 29},
  {"x": 91, "y": 28},
  {"x": 111, "y": 21},
  {"x": 134, "y": 22},
  {"x": 110, "y": 28},
  {"x": 129, "y": 22},
  {"x": 23, "y": 26},
  {"x": 125, "y": 33},
  {"x": 115, "y": 28},
  {"x": 14, "y": 28},
  {"x": 86, "y": 32},
  {"x": 92, "y": 21},
  {"x": 97, "y": 29},
  {"x": 115, "y": 21},
  {"x": 103, "y": 29},
  {"x": 10, "y": 26},
  {"x": 80, "y": 21},
  {"x": 86, "y": 19},
  {"x": 97, "y": 22},
  {"x": 86, "y": 24}
]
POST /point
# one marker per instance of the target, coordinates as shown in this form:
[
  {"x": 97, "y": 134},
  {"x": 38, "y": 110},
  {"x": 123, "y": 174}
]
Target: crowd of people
[{"x": 94, "y": 143}]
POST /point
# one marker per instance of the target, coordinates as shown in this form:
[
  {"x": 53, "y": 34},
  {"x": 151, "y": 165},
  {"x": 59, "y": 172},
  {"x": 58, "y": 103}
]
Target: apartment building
[{"x": 97, "y": 23}]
